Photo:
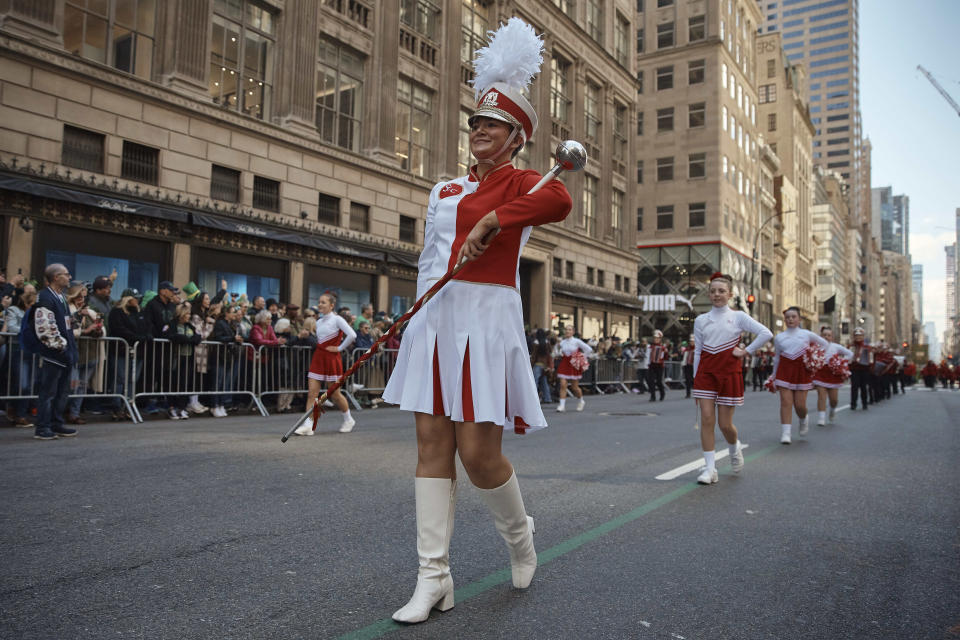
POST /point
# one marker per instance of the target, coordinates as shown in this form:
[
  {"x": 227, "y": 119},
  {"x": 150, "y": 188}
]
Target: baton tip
[{"x": 283, "y": 439}]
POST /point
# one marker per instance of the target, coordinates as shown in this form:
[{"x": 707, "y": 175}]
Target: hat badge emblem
[{"x": 490, "y": 100}]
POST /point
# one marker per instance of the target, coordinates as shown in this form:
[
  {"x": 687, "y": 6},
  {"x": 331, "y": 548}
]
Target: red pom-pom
[
  {"x": 579, "y": 362},
  {"x": 813, "y": 357},
  {"x": 769, "y": 385},
  {"x": 839, "y": 366}
]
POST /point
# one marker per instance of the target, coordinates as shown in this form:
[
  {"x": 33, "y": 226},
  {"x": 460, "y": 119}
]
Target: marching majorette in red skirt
[
  {"x": 830, "y": 377},
  {"x": 334, "y": 336},
  {"x": 718, "y": 371},
  {"x": 571, "y": 367},
  {"x": 791, "y": 375},
  {"x": 463, "y": 367}
]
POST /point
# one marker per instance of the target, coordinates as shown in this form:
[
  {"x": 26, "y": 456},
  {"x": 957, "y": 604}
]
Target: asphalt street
[{"x": 214, "y": 529}]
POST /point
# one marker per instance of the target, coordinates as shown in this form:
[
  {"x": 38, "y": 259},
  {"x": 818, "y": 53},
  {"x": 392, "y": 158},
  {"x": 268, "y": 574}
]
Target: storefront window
[
  {"x": 592, "y": 326},
  {"x": 400, "y": 304},
  {"x": 352, "y": 298},
  {"x": 130, "y": 273},
  {"x": 239, "y": 283},
  {"x": 560, "y": 318}
]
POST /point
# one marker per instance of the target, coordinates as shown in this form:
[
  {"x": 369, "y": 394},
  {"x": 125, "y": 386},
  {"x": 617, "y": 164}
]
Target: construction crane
[{"x": 956, "y": 107}]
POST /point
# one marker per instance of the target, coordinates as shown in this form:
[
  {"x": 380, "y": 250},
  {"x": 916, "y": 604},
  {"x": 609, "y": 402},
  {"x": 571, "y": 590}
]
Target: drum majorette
[{"x": 463, "y": 367}]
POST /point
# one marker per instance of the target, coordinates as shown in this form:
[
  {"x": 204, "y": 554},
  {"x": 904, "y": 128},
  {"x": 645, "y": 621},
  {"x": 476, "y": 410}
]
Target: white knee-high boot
[
  {"x": 516, "y": 528},
  {"x": 436, "y": 499}
]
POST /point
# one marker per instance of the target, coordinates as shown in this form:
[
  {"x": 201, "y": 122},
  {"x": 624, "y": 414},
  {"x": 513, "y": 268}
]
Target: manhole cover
[{"x": 628, "y": 413}]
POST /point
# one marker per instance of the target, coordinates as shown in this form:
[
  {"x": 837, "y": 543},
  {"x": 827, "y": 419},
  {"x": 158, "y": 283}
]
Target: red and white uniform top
[
  {"x": 717, "y": 332},
  {"x": 656, "y": 354},
  {"x": 457, "y": 205},
  {"x": 329, "y": 328},
  {"x": 791, "y": 344},
  {"x": 860, "y": 359},
  {"x": 836, "y": 348},
  {"x": 688, "y": 355},
  {"x": 569, "y": 346}
]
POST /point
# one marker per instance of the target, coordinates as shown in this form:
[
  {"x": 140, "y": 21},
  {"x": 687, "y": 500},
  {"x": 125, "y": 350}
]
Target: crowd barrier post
[{"x": 209, "y": 369}]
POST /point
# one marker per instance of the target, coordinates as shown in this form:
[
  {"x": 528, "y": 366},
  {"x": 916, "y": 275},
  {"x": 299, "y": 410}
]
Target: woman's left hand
[
  {"x": 739, "y": 352},
  {"x": 480, "y": 237}
]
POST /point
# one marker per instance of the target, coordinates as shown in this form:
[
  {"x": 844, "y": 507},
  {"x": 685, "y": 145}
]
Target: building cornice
[{"x": 106, "y": 76}]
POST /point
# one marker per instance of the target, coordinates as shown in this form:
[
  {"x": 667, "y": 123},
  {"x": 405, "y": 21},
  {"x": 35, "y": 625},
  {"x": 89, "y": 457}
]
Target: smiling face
[
  {"x": 568, "y": 331},
  {"x": 325, "y": 304},
  {"x": 487, "y": 137},
  {"x": 719, "y": 293},
  {"x": 827, "y": 334}
]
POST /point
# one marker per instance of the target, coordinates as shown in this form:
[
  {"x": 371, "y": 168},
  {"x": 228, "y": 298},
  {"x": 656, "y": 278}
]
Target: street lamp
[{"x": 756, "y": 241}]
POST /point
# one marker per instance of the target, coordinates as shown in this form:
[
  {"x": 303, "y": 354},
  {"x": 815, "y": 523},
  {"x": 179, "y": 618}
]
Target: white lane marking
[{"x": 696, "y": 464}]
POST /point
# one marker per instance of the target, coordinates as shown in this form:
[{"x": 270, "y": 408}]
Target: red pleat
[
  {"x": 467, "y": 390},
  {"x": 437, "y": 387}
]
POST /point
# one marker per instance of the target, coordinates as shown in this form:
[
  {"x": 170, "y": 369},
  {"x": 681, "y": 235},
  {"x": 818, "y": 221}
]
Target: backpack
[{"x": 29, "y": 342}]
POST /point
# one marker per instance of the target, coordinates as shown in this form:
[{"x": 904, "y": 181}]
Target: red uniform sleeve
[{"x": 551, "y": 203}]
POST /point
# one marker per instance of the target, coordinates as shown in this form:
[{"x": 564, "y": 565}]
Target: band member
[
  {"x": 656, "y": 354},
  {"x": 463, "y": 366},
  {"x": 826, "y": 381},
  {"x": 929, "y": 375},
  {"x": 334, "y": 336},
  {"x": 717, "y": 365},
  {"x": 566, "y": 372},
  {"x": 689, "y": 351},
  {"x": 860, "y": 368},
  {"x": 790, "y": 375}
]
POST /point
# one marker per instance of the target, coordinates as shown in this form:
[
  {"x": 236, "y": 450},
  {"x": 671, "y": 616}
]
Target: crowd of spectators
[{"x": 190, "y": 322}]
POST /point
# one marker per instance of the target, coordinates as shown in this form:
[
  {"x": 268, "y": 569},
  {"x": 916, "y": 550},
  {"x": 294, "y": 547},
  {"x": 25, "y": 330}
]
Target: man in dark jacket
[
  {"x": 53, "y": 342},
  {"x": 159, "y": 312},
  {"x": 160, "y": 315}
]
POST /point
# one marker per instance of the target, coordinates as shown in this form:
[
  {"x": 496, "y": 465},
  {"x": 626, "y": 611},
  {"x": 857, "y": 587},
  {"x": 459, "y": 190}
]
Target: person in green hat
[{"x": 190, "y": 291}]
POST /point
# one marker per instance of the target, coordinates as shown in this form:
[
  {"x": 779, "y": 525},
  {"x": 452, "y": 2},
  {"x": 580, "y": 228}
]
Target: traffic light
[{"x": 750, "y": 300}]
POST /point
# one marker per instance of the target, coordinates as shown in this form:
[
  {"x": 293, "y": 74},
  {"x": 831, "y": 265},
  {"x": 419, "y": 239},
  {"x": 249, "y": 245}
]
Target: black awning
[
  {"x": 593, "y": 298},
  {"x": 47, "y": 190},
  {"x": 306, "y": 239}
]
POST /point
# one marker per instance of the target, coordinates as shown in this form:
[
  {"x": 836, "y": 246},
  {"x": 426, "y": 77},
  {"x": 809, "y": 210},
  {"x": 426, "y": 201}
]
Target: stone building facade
[
  {"x": 698, "y": 158},
  {"x": 289, "y": 146}
]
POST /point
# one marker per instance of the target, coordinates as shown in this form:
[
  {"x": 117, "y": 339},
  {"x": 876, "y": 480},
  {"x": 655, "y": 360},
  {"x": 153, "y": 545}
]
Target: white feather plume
[{"x": 513, "y": 56}]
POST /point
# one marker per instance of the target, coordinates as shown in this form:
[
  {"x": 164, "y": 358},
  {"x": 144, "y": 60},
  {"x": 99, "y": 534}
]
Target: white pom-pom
[{"x": 513, "y": 56}]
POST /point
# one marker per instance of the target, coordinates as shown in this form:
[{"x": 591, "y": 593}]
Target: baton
[{"x": 570, "y": 156}]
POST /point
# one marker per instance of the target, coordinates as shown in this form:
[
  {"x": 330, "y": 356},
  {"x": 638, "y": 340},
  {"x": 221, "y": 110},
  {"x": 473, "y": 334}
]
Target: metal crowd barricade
[
  {"x": 373, "y": 375},
  {"x": 609, "y": 372},
  {"x": 206, "y": 369},
  {"x": 283, "y": 370},
  {"x": 101, "y": 372},
  {"x": 673, "y": 374},
  {"x": 632, "y": 374}
]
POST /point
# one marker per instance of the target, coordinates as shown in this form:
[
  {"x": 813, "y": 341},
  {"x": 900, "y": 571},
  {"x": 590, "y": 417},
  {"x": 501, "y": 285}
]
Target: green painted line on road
[{"x": 475, "y": 588}]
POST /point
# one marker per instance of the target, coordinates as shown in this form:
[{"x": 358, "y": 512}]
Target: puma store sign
[{"x": 664, "y": 302}]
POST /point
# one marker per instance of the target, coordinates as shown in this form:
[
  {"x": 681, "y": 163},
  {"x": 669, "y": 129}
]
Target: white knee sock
[
  {"x": 711, "y": 459},
  {"x": 563, "y": 402},
  {"x": 733, "y": 448}
]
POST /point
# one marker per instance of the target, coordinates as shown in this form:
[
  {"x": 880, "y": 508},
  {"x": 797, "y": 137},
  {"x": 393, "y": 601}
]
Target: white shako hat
[{"x": 504, "y": 70}]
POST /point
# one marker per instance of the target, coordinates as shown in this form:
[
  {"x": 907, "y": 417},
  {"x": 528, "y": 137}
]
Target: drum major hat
[{"x": 504, "y": 70}]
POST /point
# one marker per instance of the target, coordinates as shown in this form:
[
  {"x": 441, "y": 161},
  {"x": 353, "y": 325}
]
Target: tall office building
[
  {"x": 891, "y": 220},
  {"x": 901, "y": 216},
  {"x": 697, "y": 156},
  {"x": 825, "y": 37},
  {"x": 918, "y": 292}
]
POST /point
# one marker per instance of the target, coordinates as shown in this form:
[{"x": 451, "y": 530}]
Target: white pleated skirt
[{"x": 480, "y": 325}]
